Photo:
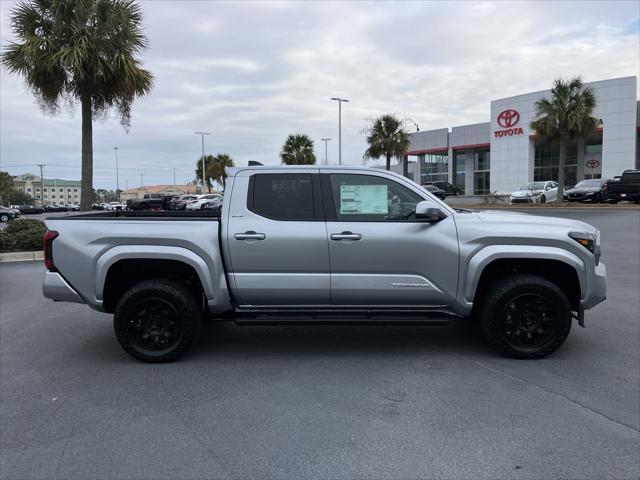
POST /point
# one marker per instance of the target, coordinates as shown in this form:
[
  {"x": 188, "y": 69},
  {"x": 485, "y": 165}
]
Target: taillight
[{"x": 47, "y": 248}]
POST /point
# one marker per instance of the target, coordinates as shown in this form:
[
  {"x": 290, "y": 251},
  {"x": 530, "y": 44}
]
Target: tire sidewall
[
  {"x": 179, "y": 297},
  {"x": 493, "y": 316}
]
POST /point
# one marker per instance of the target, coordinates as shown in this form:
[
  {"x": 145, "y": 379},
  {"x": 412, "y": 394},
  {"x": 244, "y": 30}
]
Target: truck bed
[{"x": 140, "y": 215}]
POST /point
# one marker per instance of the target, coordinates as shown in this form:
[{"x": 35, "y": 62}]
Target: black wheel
[
  {"x": 525, "y": 316},
  {"x": 4, "y": 218},
  {"x": 543, "y": 199},
  {"x": 156, "y": 320}
]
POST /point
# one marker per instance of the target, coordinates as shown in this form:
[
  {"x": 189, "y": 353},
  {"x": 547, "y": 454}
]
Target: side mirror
[{"x": 428, "y": 211}]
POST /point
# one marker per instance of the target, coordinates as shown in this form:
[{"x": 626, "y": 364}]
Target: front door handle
[
  {"x": 250, "y": 235},
  {"x": 346, "y": 236}
]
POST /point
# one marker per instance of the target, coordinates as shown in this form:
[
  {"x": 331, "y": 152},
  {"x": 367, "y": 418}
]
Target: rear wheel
[
  {"x": 156, "y": 320},
  {"x": 4, "y": 218},
  {"x": 525, "y": 316}
]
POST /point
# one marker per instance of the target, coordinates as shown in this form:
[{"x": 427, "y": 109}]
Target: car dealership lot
[{"x": 322, "y": 401}]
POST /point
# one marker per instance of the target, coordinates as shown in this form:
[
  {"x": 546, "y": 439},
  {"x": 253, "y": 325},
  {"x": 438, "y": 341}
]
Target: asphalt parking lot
[{"x": 322, "y": 401}]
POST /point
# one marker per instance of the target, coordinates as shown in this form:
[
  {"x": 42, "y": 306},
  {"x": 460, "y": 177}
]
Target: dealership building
[{"x": 502, "y": 154}]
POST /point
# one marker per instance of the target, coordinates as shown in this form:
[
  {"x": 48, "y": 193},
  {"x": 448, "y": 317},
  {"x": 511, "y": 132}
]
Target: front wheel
[
  {"x": 525, "y": 316},
  {"x": 156, "y": 320},
  {"x": 4, "y": 218},
  {"x": 543, "y": 199}
]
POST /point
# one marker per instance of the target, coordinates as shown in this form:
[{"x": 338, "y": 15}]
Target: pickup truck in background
[
  {"x": 326, "y": 244},
  {"x": 624, "y": 187},
  {"x": 149, "y": 201}
]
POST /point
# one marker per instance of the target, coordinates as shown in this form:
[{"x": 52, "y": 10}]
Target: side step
[{"x": 344, "y": 318}]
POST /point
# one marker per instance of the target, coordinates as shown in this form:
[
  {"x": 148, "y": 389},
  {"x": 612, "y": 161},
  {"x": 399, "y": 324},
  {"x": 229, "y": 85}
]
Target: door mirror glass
[{"x": 428, "y": 211}]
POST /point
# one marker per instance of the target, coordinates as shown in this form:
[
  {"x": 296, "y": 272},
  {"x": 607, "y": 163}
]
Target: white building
[
  {"x": 504, "y": 153},
  {"x": 56, "y": 190}
]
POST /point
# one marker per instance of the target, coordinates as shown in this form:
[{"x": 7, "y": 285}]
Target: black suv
[{"x": 448, "y": 188}]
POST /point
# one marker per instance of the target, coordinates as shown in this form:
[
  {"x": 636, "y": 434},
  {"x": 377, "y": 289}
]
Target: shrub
[{"x": 22, "y": 235}]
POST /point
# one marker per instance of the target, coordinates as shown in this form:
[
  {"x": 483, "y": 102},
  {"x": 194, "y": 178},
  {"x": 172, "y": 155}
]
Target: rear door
[
  {"x": 277, "y": 240},
  {"x": 380, "y": 254}
]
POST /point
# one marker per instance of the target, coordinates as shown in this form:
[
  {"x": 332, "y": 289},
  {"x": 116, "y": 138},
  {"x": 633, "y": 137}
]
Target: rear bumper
[
  {"x": 57, "y": 289},
  {"x": 597, "y": 288}
]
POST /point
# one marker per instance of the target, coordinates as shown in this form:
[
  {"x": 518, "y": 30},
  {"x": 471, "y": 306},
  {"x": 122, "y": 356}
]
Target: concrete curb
[{"x": 21, "y": 256}]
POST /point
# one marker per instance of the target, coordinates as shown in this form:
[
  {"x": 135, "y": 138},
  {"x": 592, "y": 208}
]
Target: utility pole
[
  {"x": 142, "y": 180},
  {"x": 42, "y": 165},
  {"x": 202, "y": 134},
  {"x": 174, "y": 177},
  {"x": 339, "y": 100},
  {"x": 115, "y": 149},
  {"x": 325, "y": 140}
]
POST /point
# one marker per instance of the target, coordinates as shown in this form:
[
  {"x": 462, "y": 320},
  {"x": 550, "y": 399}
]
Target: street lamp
[
  {"x": 115, "y": 149},
  {"x": 339, "y": 100},
  {"x": 202, "y": 134},
  {"x": 325, "y": 140}
]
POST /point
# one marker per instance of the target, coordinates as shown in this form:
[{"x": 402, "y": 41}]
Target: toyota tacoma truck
[{"x": 326, "y": 244}]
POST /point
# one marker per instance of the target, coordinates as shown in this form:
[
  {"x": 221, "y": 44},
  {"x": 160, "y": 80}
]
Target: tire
[
  {"x": 4, "y": 218},
  {"x": 525, "y": 316},
  {"x": 543, "y": 199},
  {"x": 157, "y": 320}
]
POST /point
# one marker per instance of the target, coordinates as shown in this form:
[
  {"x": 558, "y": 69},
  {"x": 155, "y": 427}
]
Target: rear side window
[{"x": 282, "y": 196}]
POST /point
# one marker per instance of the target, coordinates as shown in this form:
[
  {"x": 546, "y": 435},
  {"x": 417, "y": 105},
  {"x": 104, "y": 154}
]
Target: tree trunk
[
  {"x": 86, "y": 185},
  {"x": 388, "y": 162},
  {"x": 562, "y": 163}
]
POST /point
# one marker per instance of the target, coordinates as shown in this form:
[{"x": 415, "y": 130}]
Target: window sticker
[{"x": 363, "y": 199}]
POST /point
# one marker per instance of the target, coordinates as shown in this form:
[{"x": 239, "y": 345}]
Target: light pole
[
  {"x": 339, "y": 100},
  {"x": 325, "y": 140},
  {"x": 202, "y": 134},
  {"x": 115, "y": 149}
]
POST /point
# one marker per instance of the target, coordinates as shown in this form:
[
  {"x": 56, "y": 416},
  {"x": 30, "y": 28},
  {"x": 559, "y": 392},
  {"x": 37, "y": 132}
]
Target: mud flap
[{"x": 579, "y": 315}]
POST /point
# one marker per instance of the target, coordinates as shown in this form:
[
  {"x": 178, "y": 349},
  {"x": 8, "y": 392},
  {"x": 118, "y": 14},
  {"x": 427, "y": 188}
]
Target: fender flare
[
  {"x": 486, "y": 255},
  {"x": 160, "y": 252}
]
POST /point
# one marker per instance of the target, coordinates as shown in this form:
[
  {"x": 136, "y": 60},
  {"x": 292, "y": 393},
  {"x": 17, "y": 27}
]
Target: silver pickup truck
[{"x": 326, "y": 244}]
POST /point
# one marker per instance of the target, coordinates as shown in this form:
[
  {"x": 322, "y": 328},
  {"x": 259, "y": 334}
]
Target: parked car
[
  {"x": 214, "y": 205},
  {"x": 53, "y": 208},
  {"x": 535, "y": 192},
  {"x": 150, "y": 201},
  {"x": 591, "y": 190},
  {"x": 624, "y": 187},
  {"x": 15, "y": 211},
  {"x": 97, "y": 206},
  {"x": 307, "y": 245},
  {"x": 72, "y": 207},
  {"x": 180, "y": 203},
  {"x": 199, "y": 202},
  {"x": 449, "y": 188},
  {"x": 431, "y": 188},
  {"x": 30, "y": 209},
  {"x": 7, "y": 214},
  {"x": 115, "y": 206}
]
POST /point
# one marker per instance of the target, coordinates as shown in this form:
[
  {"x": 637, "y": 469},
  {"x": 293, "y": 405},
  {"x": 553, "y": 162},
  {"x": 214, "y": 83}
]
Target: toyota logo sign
[
  {"x": 593, "y": 163},
  {"x": 508, "y": 118}
]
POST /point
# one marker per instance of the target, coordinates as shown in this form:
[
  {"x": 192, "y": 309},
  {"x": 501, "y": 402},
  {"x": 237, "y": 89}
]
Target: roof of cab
[{"x": 232, "y": 171}]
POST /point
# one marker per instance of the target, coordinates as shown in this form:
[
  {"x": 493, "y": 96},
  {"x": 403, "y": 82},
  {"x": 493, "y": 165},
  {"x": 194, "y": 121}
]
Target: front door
[
  {"x": 380, "y": 254},
  {"x": 277, "y": 240}
]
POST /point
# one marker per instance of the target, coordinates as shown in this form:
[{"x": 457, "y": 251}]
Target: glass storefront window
[
  {"x": 547, "y": 162},
  {"x": 481, "y": 173},
  {"x": 458, "y": 169},
  {"x": 435, "y": 167}
]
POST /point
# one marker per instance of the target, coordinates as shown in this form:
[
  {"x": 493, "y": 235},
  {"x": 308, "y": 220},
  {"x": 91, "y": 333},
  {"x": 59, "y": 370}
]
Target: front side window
[
  {"x": 370, "y": 198},
  {"x": 282, "y": 196}
]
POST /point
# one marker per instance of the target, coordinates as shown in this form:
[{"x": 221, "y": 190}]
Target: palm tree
[
  {"x": 80, "y": 51},
  {"x": 386, "y": 138},
  {"x": 565, "y": 116},
  {"x": 220, "y": 162},
  {"x": 209, "y": 160},
  {"x": 298, "y": 150}
]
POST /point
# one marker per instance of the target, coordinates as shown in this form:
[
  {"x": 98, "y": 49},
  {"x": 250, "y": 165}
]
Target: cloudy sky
[{"x": 253, "y": 72}]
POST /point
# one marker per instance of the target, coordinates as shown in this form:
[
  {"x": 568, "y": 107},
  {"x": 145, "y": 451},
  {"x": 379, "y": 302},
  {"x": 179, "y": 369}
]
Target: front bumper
[
  {"x": 596, "y": 288},
  {"x": 522, "y": 200},
  {"x": 57, "y": 289}
]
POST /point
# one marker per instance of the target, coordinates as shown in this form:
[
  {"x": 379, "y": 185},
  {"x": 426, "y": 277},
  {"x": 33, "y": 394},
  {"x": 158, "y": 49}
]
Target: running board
[{"x": 344, "y": 318}]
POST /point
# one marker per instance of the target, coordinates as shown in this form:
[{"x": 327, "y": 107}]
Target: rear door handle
[
  {"x": 250, "y": 235},
  {"x": 346, "y": 236}
]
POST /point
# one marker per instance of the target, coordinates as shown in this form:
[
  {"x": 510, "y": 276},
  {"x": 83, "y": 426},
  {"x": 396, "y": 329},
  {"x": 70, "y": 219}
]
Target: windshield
[
  {"x": 532, "y": 186},
  {"x": 589, "y": 183}
]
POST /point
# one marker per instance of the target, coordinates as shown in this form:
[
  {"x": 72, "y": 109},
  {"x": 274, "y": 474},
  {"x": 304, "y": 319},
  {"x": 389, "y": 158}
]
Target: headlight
[{"x": 589, "y": 241}]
